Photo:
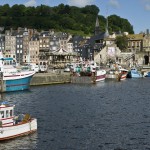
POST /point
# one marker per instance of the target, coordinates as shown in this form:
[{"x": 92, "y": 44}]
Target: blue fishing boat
[
  {"x": 13, "y": 78},
  {"x": 146, "y": 74},
  {"x": 134, "y": 73}
]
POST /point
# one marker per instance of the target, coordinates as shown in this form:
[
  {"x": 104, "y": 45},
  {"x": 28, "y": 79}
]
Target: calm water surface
[{"x": 105, "y": 116}]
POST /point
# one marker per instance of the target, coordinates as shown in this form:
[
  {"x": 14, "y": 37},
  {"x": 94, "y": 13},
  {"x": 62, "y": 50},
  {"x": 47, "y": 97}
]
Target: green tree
[
  {"x": 4, "y": 10},
  {"x": 90, "y": 9},
  {"x": 17, "y": 10},
  {"x": 61, "y": 17},
  {"x": 122, "y": 42},
  {"x": 119, "y": 24}
]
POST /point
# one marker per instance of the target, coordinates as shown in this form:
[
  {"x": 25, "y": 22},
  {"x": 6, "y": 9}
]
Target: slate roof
[{"x": 135, "y": 36}]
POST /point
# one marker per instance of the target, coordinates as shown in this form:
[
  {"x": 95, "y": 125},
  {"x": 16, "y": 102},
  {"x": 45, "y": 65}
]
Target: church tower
[
  {"x": 106, "y": 29},
  {"x": 97, "y": 27}
]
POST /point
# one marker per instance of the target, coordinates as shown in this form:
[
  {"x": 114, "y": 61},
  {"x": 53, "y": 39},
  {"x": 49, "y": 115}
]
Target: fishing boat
[
  {"x": 88, "y": 73},
  {"x": 123, "y": 73},
  {"x": 117, "y": 73},
  {"x": 13, "y": 78},
  {"x": 12, "y": 126},
  {"x": 134, "y": 73},
  {"x": 146, "y": 74}
]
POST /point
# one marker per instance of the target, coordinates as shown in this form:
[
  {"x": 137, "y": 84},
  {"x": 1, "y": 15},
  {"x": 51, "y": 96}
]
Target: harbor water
[{"x": 108, "y": 115}]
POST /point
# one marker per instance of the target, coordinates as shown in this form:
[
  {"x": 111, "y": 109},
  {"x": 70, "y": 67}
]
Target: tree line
[{"x": 64, "y": 18}]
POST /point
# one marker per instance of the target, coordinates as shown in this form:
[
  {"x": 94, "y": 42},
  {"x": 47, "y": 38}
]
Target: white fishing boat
[
  {"x": 117, "y": 73},
  {"x": 12, "y": 126},
  {"x": 87, "y": 72},
  {"x": 13, "y": 78}
]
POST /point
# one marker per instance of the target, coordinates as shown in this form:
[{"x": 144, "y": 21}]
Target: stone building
[
  {"x": 2, "y": 42},
  {"x": 34, "y": 49}
]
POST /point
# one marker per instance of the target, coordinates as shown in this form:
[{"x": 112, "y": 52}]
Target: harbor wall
[{"x": 50, "y": 78}]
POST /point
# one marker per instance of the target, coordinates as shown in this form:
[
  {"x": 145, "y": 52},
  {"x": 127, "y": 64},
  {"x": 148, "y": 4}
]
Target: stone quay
[{"x": 57, "y": 77}]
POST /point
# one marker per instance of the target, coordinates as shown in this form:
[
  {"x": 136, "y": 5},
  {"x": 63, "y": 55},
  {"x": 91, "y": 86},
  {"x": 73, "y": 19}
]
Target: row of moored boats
[{"x": 96, "y": 73}]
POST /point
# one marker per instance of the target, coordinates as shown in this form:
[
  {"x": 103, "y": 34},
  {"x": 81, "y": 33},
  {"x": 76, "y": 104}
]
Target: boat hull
[
  {"x": 100, "y": 75},
  {"x": 18, "y": 130},
  {"x": 147, "y": 74},
  {"x": 92, "y": 78},
  {"x": 113, "y": 74},
  {"x": 133, "y": 74},
  {"x": 16, "y": 82}
]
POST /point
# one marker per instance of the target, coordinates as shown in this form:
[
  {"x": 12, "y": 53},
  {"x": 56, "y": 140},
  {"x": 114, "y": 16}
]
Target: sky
[{"x": 137, "y": 12}]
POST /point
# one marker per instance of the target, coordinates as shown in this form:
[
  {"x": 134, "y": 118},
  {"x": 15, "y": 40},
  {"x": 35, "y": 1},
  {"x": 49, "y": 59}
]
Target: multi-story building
[
  {"x": 70, "y": 46},
  {"x": 13, "y": 45},
  {"x": 44, "y": 47},
  {"x": 34, "y": 49},
  {"x": 54, "y": 43},
  {"x": 76, "y": 44},
  {"x": 63, "y": 39},
  {"x": 7, "y": 51},
  {"x": 135, "y": 42},
  {"x": 25, "y": 46},
  {"x": 19, "y": 47},
  {"x": 2, "y": 42},
  {"x": 146, "y": 47},
  {"x": 135, "y": 46}
]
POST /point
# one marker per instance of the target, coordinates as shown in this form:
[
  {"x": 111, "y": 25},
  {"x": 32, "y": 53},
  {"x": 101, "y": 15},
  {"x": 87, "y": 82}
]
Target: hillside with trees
[{"x": 66, "y": 18}]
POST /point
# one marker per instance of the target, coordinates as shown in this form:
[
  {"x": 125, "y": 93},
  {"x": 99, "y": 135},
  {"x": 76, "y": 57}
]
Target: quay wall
[{"x": 50, "y": 78}]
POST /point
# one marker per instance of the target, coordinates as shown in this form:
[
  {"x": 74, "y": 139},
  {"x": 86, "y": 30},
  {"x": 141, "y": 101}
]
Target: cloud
[
  {"x": 30, "y": 3},
  {"x": 146, "y": 4},
  {"x": 147, "y": 7},
  {"x": 114, "y": 3},
  {"x": 80, "y": 3}
]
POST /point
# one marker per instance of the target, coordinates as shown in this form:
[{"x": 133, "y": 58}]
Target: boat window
[
  {"x": 11, "y": 112},
  {"x": 2, "y": 114},
  {"x": 7, "y": 113}
]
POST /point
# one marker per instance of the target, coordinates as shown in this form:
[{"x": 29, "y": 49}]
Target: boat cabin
[{"x": 6, "y": 114}]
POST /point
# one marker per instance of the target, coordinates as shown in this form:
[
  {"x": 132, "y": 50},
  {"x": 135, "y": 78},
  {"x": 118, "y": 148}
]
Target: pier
[{"x": 57, "y": 77}]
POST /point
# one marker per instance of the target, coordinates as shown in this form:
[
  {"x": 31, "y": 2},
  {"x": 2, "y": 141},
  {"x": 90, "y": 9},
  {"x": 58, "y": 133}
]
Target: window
[
  {"x": 2, "y": 114},
  {"x": 7, "y": 113},
  {"x": 11, "y": 113}
]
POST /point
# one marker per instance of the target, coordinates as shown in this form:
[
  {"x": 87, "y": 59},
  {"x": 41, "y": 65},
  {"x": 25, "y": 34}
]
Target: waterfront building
[
  {"x": 2, "y": 42},
  {"x": 135, "y": 46},
  {"x": 25, "y": 46},
  {"x": 7, "y": 51},
  {"x": 19, "y": 47},
  {"x": 13, "y": 46},
  {"x": 63, "y": 39},
  {"x": 44, "y": 46},
  {"x": 54, "y": 43},
  {"x": 76, "y": 48},
  {"x": 146, "y": 47},
  {"x": 34, "y": 49}
]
